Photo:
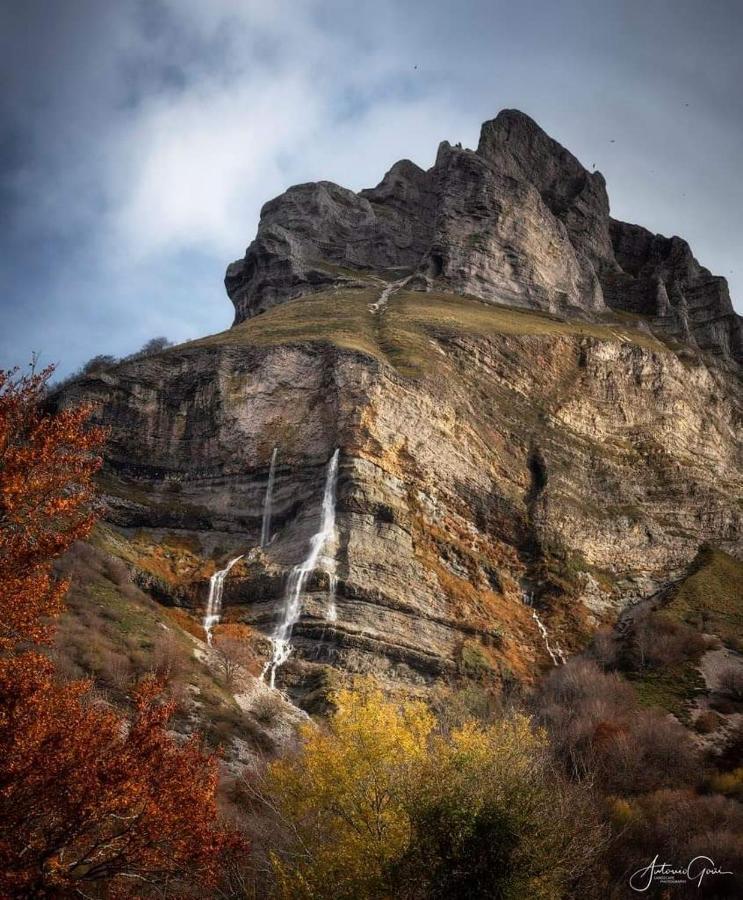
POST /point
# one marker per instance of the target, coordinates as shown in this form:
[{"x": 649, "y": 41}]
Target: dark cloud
[{"x": 139, "y": 139}]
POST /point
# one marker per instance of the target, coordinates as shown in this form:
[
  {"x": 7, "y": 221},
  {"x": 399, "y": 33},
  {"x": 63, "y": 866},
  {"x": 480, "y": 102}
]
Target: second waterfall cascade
[
  {"x": 281, "y": 647},
  {"x": 214, "y": 603},
  {"x": 266, "y": 523}
]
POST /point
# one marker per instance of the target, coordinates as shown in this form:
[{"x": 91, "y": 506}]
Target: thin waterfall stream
[
  {"x": 281, "y": 646},
  {"x": 268, "y": 501},
  {"x": 555, "y": 652},
  {"x": 214, "y": 602}
]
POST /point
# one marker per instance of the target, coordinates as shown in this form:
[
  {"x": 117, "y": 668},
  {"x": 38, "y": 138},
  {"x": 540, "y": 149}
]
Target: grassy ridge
[{"x": 402, "y": 333}]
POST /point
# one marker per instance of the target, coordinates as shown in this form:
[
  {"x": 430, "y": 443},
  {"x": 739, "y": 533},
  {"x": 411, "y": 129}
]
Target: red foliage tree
[
  {"x": 86, "y": 797},
  {"x": 47, "y": 463}
]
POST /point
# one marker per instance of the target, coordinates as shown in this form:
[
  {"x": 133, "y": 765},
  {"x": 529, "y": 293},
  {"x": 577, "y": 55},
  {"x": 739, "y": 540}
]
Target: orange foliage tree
[
  {"x": 47, "y": 463},
  {"x": 86, "y": 797}
]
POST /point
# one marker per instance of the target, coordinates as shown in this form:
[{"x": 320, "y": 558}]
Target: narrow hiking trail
[{"x": 387, "y": 292}]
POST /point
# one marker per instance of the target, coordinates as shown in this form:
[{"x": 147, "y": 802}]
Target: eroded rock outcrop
[{"x": 660, "y": 279}]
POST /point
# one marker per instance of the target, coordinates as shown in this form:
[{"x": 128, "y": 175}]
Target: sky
[{"x": 140, "y": 138}]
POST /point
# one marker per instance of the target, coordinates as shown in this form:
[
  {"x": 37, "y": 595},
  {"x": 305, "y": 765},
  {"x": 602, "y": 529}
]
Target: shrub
[
  {"x": 659, "y": 641},
  {"x": 707, "y": 722},
  {"x": 728, "y": 783},
  {"x": 732, "y": 750},
  {"x": 598, "y": 731},
  {"x": 98, "y": 364},
  {"x": 604, "y": 649},
  {"x": 489, "y": 818},
  {"x": 232, "y": 652},
  {"x": 150, "y": 348},
  {"x": 168, "y": 663},
  {"x": 381, "y": 804},
  {"x": 731, "y": 681},
  {"x": 266, "y": 708}
]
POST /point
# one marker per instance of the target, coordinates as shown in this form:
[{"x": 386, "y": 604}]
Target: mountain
[
  {"x": 518, "y": 221},
  {"x": 537, "y": 412}
]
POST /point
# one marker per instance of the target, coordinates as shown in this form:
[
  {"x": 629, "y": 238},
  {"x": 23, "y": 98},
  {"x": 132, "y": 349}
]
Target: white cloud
[{"x": 193, "y": 168}]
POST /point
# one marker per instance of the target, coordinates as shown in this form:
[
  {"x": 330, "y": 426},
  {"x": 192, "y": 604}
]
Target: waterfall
[
  {"x": 332, "y": 613},
  {"x": 214, "y": 602},
  {"x": 266, "y": 524},
  {"x": 281, "y": 647},
  {"x": 555, "y": 653}
]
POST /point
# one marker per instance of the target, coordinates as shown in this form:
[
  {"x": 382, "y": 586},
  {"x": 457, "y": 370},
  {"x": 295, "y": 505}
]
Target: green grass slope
[
  {"x": 710, "y": 597},
  {"x": 401, "y": 333}
]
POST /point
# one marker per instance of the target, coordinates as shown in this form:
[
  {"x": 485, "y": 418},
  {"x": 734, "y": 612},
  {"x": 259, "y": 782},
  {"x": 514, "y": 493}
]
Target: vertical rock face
[
  {"x": 486, "y": 448},
  {"x": 660, "y": 279},
  {"x": 515, "y": 145},
  {"x": 519, "y": 221},
  {"x": 589, "y": 465}
]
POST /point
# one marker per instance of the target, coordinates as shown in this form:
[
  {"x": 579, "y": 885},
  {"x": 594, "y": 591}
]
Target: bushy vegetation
[
  {"x": 383, "y": 802},
  {"x": 564, "y": 795},
  {"x": 662, "y": 794},
  {"x": 659, "y": 655},
  {"x": 104, "y": 361},
  {"x": 601, "y": 733}
]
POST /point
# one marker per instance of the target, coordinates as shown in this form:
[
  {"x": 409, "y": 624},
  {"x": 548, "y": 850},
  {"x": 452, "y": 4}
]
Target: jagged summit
[{"x": 519, "y": 221}]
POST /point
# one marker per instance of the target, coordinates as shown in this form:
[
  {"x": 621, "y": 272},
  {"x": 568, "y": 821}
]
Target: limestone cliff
[{"x": 529, "y": 398}]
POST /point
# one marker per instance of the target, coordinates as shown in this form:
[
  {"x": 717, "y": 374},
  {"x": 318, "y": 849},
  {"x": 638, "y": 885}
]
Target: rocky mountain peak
[
  {"x": 519, "y": 221},
  {"x": 517, "y": 146}
]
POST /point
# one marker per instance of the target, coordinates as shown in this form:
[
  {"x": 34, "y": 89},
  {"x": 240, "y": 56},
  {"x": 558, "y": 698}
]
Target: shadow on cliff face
[
  {"x": 530, "y": 550},
  {"x": 538, "y": 472}
]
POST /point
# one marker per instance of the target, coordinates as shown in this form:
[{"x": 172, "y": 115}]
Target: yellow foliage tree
[
  {"x": 490, "y": 818},
  {"x": 343, "y": 794},
  {"x": 382, "y": 804}
]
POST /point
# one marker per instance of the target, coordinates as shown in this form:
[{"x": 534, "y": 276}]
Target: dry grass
[{"x": 401, "y": 334}]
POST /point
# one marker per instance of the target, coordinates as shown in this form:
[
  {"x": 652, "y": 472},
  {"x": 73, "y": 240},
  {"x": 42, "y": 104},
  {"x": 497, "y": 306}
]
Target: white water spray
[
  {"x": 281, "y": 647},
  {"x": 214, "y": 602},
  {"x": 331, "y": 614},
  {"x": 555, "y": 653},
  {"x": 266, "y": 524}
]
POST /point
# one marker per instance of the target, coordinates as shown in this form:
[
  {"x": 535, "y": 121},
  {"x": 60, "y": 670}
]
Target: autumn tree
[
  {"x": 489, "y": 817},
  {"x": 86, "y": 797},
  {"x": 233, "y": 653},
  {"x": 47, "y": 465},
  {"x": 383, "y": 804},
  {"x": 338, "y": 819}
]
